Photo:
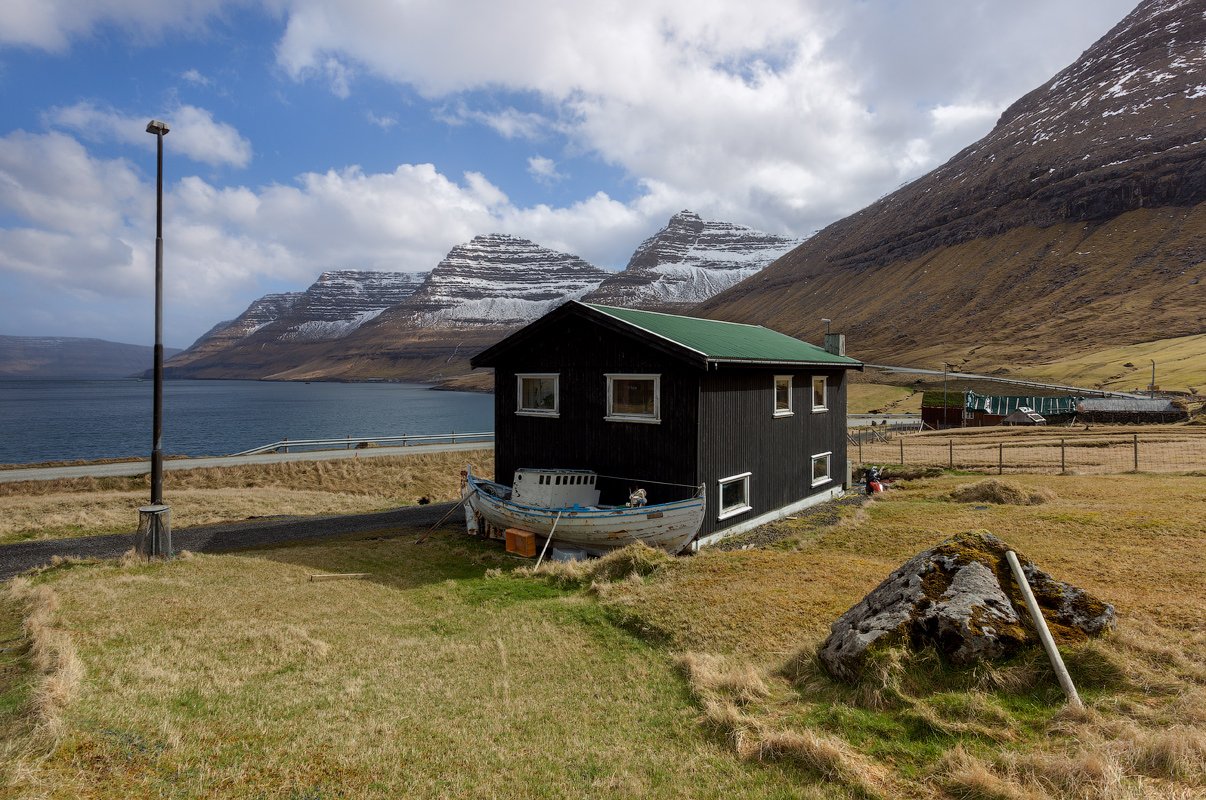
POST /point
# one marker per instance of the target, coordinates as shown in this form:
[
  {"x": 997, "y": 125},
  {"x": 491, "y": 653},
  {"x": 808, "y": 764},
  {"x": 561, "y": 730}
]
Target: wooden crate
[{"x": 521, "y": 543}]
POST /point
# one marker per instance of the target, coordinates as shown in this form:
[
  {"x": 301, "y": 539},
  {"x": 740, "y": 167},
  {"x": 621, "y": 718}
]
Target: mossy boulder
[{"x": 961, "y": 599}]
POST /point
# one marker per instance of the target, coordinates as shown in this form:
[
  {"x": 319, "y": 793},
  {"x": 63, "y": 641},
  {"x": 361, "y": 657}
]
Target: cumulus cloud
[
  {"x": 195, "y": 77},
  {"x": 383, "y": 121},
  {"x": 194, "y": 132},
  {"x": 85, "y": 224},
  {"x": 544, "y": 170},
  {"x": 53, "y": 24},
  {"x": 510, "y": 123}
]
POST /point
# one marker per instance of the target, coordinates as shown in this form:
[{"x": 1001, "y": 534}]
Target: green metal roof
[
  {"x": 1003, "y": 405},
  {"x": 726, "y": 341}
]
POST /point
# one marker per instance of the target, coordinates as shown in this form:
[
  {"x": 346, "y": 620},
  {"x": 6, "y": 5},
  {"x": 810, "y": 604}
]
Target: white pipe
[
  {"x": 1036, "y": 614},
  {"x": 546, "y": 541}
]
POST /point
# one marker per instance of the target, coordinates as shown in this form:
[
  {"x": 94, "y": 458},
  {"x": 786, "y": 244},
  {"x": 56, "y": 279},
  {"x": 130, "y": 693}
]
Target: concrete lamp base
[{"x": 154, "y": 532}]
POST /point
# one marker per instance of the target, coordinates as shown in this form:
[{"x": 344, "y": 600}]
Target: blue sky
[{"x": 377, "y": 134}]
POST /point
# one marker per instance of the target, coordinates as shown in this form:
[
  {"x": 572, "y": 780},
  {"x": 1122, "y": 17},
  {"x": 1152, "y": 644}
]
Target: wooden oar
[{"x": 546, "y": 541}]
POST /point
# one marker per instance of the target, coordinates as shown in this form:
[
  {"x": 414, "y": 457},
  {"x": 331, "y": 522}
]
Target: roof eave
[{"x": 764, "y": 362}]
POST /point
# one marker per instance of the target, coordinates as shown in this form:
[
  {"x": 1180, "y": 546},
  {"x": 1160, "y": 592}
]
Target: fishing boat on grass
[{"x": 563, "y": 504}]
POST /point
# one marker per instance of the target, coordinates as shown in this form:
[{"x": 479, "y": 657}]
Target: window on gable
[
  {"x": 538, "y": 395},
  {"x": 783, "y": 395},
  {"x": 820, "y": 469},
  {"x": 634, "y": 398},
  {"x": 734, "y": 495},
  {"x": 820, "y": 387}
]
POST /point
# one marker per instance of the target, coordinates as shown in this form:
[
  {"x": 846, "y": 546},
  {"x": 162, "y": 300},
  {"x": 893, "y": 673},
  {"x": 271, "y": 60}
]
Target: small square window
[
  {"x": 820, "y": 469},
  {"x": 634, "y": 398},
  {"x": 820, "y": 385},
  {"x": 538, "y": 395},
  {"x": 734, "y": 495},
  {"x": 783, "y": 395}
]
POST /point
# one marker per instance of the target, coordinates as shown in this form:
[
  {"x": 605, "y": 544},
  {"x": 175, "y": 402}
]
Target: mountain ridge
[{"x": 1078, "y": 219}]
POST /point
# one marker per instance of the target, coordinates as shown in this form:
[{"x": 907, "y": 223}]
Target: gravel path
[{"x": 19, "y": 557}]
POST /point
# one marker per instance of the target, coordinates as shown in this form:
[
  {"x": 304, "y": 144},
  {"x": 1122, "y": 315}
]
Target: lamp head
[{"x": 157, "y": 127}]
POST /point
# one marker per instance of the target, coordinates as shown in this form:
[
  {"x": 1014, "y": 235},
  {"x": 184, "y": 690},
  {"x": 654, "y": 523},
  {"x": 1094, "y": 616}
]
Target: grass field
[
  {"x": 1101, "y": 450},
  {"x": 447, "y": 675},
  {"x": 877, "y": 398},
  {"x": 1180, "y": 365},
  {"x": 92, "y": 506}
]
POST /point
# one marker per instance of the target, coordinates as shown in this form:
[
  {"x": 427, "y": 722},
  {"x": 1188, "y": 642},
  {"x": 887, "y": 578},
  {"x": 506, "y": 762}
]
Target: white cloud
[
  {"x": 544, "y": 170},
  {"x": 510, "y": 123},
  {"x": 53, "y": 24},
  {"x": 384, "y": 121},
  {"x": 195, "y": 77},
  {"x": 85, "y": 225},
  {"x": 194, "y": 133}
]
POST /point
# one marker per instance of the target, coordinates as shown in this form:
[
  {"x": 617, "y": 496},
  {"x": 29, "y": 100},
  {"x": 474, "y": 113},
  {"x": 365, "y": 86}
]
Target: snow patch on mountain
[
  {"x": 689, "y": 261},
  {"x": 498, "y": 279}
]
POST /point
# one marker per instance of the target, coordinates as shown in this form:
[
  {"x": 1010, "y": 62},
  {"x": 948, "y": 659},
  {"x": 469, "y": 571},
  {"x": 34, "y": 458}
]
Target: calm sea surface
[{"x": 60, "y": 420}]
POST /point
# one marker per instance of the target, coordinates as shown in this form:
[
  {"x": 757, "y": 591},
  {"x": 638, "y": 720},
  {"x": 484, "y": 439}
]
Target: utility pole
[
  {"x": 1151, "y": 390},
  {"x": 155, "y": 520}
]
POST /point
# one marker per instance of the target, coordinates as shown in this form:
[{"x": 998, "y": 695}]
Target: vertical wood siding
[
  {"x": 582, "y": 353},
  {"x": 738, "y": 433}
]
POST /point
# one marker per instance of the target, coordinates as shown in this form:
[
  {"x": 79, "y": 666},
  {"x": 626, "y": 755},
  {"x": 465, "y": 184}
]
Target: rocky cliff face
[
  {"x": 339, "y": 302},
  {"x": 497, "y": 280},
  {"x": 689, "y": 261},
  {"x": 1077, "y": 221},
  {"x": 260, "y": 313}
]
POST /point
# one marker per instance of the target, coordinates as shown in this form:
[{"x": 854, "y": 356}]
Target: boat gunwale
[{"x": 675, "y": 505}]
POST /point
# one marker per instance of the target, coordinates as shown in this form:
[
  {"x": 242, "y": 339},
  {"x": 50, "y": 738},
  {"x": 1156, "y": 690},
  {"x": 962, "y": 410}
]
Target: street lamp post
[{"x": 155, "y": 520}]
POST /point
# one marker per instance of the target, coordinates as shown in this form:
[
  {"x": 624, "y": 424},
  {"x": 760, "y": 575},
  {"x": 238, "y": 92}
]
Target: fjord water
[{"x": 55, "y": 420}]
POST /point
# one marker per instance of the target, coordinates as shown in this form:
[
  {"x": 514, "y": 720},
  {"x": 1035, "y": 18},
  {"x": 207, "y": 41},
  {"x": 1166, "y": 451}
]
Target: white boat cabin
[{"x": 555, "y": 488}]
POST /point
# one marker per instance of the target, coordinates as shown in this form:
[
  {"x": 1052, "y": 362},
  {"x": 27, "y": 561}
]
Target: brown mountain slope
[{"x": 1076, "y": 223}]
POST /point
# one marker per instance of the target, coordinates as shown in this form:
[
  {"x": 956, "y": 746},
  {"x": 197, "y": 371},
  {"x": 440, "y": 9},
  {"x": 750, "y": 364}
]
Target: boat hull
[{"x": 667, "y": 526}]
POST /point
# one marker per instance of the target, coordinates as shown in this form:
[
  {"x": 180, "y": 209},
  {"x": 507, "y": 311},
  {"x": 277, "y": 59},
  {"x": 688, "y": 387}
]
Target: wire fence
[{"x": 1054, "y": 451}]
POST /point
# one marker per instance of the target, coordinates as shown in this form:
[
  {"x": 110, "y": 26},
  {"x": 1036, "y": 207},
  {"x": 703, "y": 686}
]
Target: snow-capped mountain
[
  {"x": 497, "y": 280},
  {"x": 336, "y": 304},
  {"x": 340, "y": 301},
  {"x": 689, "y": 261},
  {"x": 1076, "y": 222}
]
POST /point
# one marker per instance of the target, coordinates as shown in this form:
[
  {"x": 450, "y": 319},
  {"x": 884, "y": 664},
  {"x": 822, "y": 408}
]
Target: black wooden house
[{"x": 669, "y": 402}]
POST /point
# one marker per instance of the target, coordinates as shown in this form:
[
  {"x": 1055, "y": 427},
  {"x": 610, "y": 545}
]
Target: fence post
[
  {"x": 1063, "y": 466},
  {"x": 950, "y": 446},
  {"x": 286, "y": 446},
  {"x": 1001, "y": 458},
  {"x": 860, "y": 449},
  {"x": 902, "y": 451},
  {"x": 1136, "y": 452}
]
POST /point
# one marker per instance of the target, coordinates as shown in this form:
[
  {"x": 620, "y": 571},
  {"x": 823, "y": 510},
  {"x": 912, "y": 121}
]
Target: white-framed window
[
  {"x": 820, "y": 469},
  {"x": 634, "y": 398},
  {"x": 538, "y": 394},
  {"x": 734, "y": 495},
  {"x": 820, "y": 393},
  {"x": 783, "y": 396}
]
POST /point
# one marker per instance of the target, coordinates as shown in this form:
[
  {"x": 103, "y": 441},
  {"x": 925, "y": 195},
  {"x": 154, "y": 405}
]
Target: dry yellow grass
[
  {"x": 235, "y": 676},
  {"x": 445, "y": 674},
  {"x": 89, "y": 506},
  {"x": 1138, "y": 541},
  {"x": 878, "y": 398},
  {"x": 1100, "y": 450},
  {"x": 1180, "y": 365}
]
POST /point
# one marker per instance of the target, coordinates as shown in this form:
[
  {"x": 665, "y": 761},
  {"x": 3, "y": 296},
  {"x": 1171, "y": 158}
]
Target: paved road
[
  {"x": 16, "y": 558},
  {"x": 125, "y": 468}
]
